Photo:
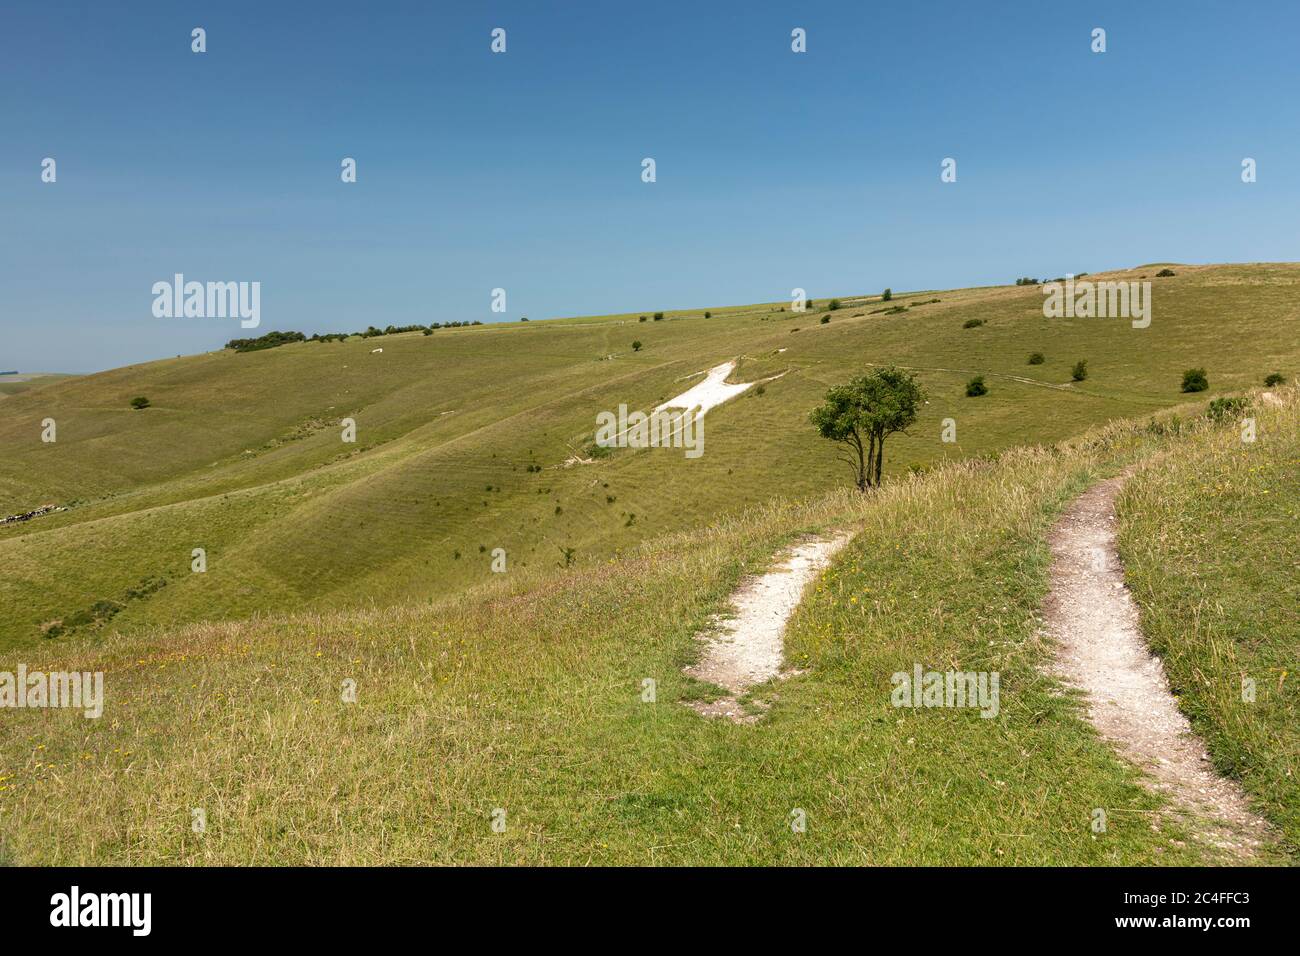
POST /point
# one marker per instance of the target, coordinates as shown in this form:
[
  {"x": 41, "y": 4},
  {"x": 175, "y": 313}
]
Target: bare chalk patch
[
  {"x": 747, "y": 648},
  {"x": 1100, "y": 650},
  {"x": 711, "y": 392}
]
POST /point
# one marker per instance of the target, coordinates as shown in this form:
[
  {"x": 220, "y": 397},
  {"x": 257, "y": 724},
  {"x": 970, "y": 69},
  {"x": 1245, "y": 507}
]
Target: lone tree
[{"x": 863, "y": 413}]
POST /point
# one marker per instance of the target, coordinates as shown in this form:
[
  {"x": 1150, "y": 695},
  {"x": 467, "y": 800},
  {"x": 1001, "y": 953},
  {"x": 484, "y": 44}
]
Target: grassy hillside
[
  {"x": 1210, "y": 534},
  {"x": 16, "y": 384},
  {"x": 524, "y": 694},
  {"x": 240, "y": 454}
]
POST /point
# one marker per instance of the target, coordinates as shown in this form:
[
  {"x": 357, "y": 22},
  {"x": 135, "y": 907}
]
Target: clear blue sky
[{"x": 522, "y": 170}]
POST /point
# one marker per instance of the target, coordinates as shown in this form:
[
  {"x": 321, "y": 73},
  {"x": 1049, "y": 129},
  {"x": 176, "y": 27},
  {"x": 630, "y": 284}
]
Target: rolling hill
[{"x": 466, "y": 440}]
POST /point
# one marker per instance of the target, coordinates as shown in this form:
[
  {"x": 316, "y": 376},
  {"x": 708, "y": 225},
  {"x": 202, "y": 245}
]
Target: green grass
[
  {"x": 240, "y": 454},
  {"x": 524, "y": 693},
  {"x": 1209, "y": 537},
  {"x": 330, "y": 562}
]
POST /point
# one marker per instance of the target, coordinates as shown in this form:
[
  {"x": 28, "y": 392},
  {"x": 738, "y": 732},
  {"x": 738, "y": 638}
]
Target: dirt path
[
  {"x": 747, "y": 648},
  {"x": 1101, "y": 650}
]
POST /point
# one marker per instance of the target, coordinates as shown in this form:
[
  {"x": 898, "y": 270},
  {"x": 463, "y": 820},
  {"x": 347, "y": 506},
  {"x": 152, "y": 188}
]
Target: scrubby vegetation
[
  {"x": 1080, "y": 370},
  {"x": 274, "y": 339},
  {"x": 1195, "y": 380},
  {"x": 1222, "y": 409},
  {"x": 268, "y": 341},
  {"x": 140, "y": 402},
  {"x": 976, "y": 387},
  {"x": 972, "y": 323},
  {"x": 1036, "y": 358}
]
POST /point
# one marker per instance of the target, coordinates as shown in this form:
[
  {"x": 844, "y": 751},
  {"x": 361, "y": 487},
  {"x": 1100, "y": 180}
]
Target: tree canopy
[{"x": 863, "y": 413}]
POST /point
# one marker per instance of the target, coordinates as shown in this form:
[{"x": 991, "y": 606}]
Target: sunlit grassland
[
  {"x": 525, "y": 693},
  {"x": 240, "y": 454},
  {"x": 1210, "y": 536}
]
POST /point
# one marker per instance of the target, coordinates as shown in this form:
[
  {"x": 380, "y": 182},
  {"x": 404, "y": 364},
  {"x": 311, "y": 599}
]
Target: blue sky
[{"x": 522, "y": 170}]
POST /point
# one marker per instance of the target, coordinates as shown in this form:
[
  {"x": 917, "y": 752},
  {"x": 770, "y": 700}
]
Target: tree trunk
[{"x": 880, "y": 458}]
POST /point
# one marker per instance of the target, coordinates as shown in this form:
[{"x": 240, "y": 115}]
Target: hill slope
[{"x": 241, "y": 454}]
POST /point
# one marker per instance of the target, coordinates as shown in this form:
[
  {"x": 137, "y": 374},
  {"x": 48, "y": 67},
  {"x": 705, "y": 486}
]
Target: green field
[
  {"x": 369, "y": 562},
  {"x": 241, "y": 455}
]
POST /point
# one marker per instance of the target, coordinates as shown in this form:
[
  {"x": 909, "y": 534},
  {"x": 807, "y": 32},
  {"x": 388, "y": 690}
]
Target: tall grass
[
  {"x": 1210, "y": 541},
  {"x": 526, "y": 695}
]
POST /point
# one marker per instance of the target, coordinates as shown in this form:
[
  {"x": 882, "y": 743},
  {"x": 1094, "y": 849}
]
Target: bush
[
  {"x": 825, "y": 319},
  {"x": 1276, "y": 378},
  {"x": 1194, "y": 380},
  {"x": 1165, "y": 273},
  {"x": 976, "y": 387},
  {"x": 636, "y": 345},
  {"x": 972, "y": 323},
  {"x": 835, "y": 304},
  {"x": 642, "y": 319},
  {"x": 1036, "y": 358},
  {"x": 269, "y": 341},
  {"x": 887, "y": 295},
  {"x": 708, "y": 315},
  {"x": 1026, "y": 281},
  {"x": 659, "y": 316},
  {"x": 140, "y": 402},
  {"x": 1080, "y": 370},
  {"x": 1224, "y": 408}
]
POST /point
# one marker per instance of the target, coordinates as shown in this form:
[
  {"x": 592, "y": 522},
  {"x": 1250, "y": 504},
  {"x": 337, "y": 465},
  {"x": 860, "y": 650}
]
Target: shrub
[
  {"x": 1165, "y": 273},
  {"x": 825, "y": 319},
  {"x": 972, "y": 323},
  {"x": 659, "y": 316},
  {"x": 1036, "y": 358},
  {"x": 976, "y": 387},
  {"x": 708, "y": 315},
  {"x": 1080, "y": 370},
  {"x": 270, "y": 340},
  {"x": 887, "y": 295},
  {"x": 523, "y": 318},
  {"x": 139, "y": 402},
  {"x": 1195, "y": 380},
  {"x": 636, "y": 345},
  {"x": 642, "y": 319},
  {"x": 1275, "y": 378},
  {"x": 834, "y": 304},
  {"x": 1225, "y": 408}
]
